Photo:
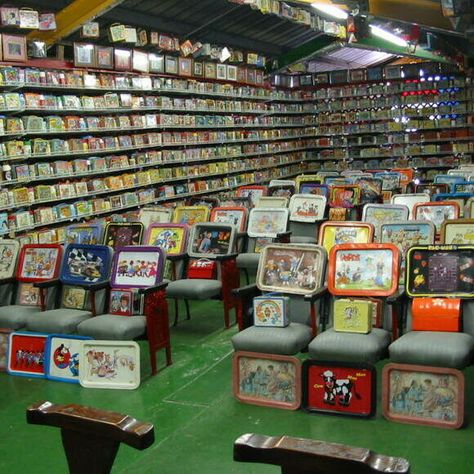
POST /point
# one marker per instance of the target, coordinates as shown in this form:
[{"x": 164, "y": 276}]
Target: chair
[
  {"x": 82, "y": 285},
  {"x": 358, "y": 270},
  {"x": 344, "y": 201},
  {"x": 439, "y": 329},
  {"x": 306, "y": 215},
  {"x": 211, "y": 272},
  {"x": 83, "y": 233},
  {"x": 307, "y": 456},
  {"x": 253, "y": 192},
  {"x": 265, "y": 225},
  {"x": 36, "y": 262},
  {"x": 86, "y": 430},
  {"x": 190, "y": 214},
  {"x": 137, "y": 304},
  {"x": 296, "y": 271},
  {"x": 120, "y": 234}
]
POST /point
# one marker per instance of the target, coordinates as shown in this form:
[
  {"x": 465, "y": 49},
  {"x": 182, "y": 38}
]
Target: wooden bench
[
  {"x": 91, "y": 437},
  {"x": 306, "y": 456}
]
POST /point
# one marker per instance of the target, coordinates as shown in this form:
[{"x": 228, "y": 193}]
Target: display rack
[
  {"x": 78, "y": 144},
  {"x": 395, "y": 123}
]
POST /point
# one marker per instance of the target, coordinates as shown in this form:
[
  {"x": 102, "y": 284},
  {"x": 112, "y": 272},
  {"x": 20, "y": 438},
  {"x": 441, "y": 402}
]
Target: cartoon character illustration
[{"x": 338, "y": 390}]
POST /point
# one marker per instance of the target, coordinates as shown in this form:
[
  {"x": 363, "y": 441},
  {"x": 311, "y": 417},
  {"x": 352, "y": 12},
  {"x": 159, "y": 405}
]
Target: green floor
[{"x": 197, "y": 419}]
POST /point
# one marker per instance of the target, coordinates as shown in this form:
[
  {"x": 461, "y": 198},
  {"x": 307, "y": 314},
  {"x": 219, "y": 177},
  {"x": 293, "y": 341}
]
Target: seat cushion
[
  {"x": 439, "y": 349},
  {"x": 113, "y": 327},
  {"x": 350, "y": 347},
  {"x": 302, "y": 239},
  {"x": 248, "y": 260},
  {"x": 60, "y": 321},
  {"x": 193, "y": 289},
  {"x": 15, "y": 316},
  {"x": 285, "y": 341}
]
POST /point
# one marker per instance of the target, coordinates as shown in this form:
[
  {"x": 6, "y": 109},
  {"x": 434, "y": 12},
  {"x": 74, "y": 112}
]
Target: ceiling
[
  {"x": 225, "y": 23},
  {"x": 346, "y": 57}
]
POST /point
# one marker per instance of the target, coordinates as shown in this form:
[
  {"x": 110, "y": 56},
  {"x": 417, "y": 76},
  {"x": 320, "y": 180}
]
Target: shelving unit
[
  {"x": 395, "y": 123},
  {"x": 76, "y": 145}
]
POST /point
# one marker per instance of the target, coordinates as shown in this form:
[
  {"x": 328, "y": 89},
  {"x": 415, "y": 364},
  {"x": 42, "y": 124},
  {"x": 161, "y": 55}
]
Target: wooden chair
[
  {"x": 91, "y": 437},
  {"x": 305, "y": 456}
]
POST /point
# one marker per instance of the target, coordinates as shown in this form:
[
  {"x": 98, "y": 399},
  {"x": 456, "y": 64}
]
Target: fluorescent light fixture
[
  {"x": 331, "y": 10},
  {"x": 387, "y": 36}
]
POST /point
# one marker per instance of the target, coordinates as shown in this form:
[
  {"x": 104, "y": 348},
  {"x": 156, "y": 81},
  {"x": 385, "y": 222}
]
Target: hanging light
[
  {"x": 331, "y": 10},
  {"x": 388, "y": 36}
]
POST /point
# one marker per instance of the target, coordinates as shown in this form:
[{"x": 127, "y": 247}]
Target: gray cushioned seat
[
  {"x": 113, "y": 327},
  {"x": 439, "y": 349},
  {"x": 301, "y": 239},
  {"x": 248, "y": 260},
  {"x": 285, "y": 341},
  {"x": 15, "y": 316},
  {"x": 350, "y": 347},
  {"x": 61, "y": 321},
  {"x": 193, "y": 289}
]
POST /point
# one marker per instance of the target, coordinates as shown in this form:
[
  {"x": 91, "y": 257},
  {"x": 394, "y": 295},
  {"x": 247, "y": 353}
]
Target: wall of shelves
[
  {"x": 76, "y": 145},
  {"x": 395, "y": 123}
]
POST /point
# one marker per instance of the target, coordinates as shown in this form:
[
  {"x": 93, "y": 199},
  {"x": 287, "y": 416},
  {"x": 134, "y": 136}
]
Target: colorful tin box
[
  {"x": 353, "y": 316},
  {"x": 271, "y": 311}
]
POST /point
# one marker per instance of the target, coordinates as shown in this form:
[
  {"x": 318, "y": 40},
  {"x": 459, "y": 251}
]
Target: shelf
[
  {"x": 140, "y": 166},
  {"x": 167, "y": 90},
  {"x": 161, "y": 181},
  {"x": 392, "y": 156},
  {"x": 150, "y": 146},
  {"x": 368, "y": 132},
  {"x": 137, "y": 205}
]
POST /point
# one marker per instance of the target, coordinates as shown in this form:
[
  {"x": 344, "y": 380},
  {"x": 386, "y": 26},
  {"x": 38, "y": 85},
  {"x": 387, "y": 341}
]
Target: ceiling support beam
[{"x": 72, "y": 17}]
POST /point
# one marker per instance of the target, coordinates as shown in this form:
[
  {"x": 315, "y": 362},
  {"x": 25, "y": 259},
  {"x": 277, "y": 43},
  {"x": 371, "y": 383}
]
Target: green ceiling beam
[
  {"x": 386, "y": 46},
  {"x": 300, "y": 53}
]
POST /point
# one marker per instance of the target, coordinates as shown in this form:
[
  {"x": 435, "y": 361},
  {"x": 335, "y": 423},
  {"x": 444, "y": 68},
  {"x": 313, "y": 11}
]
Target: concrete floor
[{"x": 197, "y": 418}]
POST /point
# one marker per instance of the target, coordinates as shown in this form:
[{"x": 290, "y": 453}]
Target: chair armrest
[
  {"x": 223, "y": 258},
  {"x": 246, "y": 291},
  {"x": 177, "y": 257},
  {"x": 47, "y": 283},
  {"x": 401, "y": 294},
  {"x": 152, "y": 289},
  {"x": 316, "y": 295}
]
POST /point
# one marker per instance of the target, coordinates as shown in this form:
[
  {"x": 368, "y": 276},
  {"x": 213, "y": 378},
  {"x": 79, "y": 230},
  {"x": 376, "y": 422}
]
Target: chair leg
[
  {"x": 246, "y": 273},
  {"x": 154, "y": 368},
  {"x": 226, "y": 317},
  {"x": 188, "y": 312},
  {"x": 175, "y": 313},
  {"x": 168, "y": 355}
]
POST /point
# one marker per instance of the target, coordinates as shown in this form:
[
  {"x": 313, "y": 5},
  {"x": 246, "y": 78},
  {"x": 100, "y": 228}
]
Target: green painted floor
[{"x": 197, "y": 419}]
